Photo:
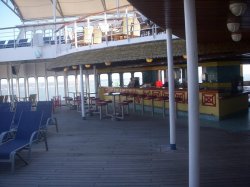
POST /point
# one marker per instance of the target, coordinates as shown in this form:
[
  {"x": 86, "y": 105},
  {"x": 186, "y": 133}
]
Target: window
[
  {"x": 51, "y": 87},
  {"x": 246, "y": 72},
  {"x": 60, "y": 82},
  {"x": 139, "y": 75},
  {"x": 92, "y": 83},
  {"x": 71, "y": 85},
  {"x": 15, "y": 89},
  {"x": 48, "y": 33},
  {"x": 200, "y": 74},
  {"x": 41, "y": 89},
  {"x": 104, "y": 80},
  {"x": 115, "y": 77},
  {"x": 4, "y": 87},
  {"x": 126, "y": 78},
  {"x": 32, "y": 85},
  {"x": 21, "y": 87}
]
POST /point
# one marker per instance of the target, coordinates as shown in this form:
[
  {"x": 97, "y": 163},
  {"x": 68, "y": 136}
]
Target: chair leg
[
  {"x": 152, "y": 105},
  {"x": 45, "y": 141},
  {"x": 12, "y": 158},
  {"x": 55, "y": 122}
]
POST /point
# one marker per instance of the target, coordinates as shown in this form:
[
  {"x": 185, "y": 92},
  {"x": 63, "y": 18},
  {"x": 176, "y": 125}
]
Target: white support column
[
  {"x": 56, "y": 85},
  {"x": 36, "y": 82},
  {"x": 172, "y": 111},
  {"x": 95, "y": 81},
  {"x": 54, "y": 18},
  {"x": 193, "y": 93},
  {"x": 82, "y": 93},
  {"x": 127, "y": 23},
  {"x": 75, "y": 34},
  {"x": 46, "y": 84}
]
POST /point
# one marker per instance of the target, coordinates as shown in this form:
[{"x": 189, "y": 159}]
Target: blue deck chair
[
  {"x": 5, "y": 124},
  {"x": 47, "y": 107},
  {"x": 27, "y": 133},
  {"x": 5, "y": 107},
  {"x": 20, "y": 107}
]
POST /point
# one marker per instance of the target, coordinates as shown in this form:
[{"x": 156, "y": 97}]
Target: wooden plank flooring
[{"x": 132, "y": 153}]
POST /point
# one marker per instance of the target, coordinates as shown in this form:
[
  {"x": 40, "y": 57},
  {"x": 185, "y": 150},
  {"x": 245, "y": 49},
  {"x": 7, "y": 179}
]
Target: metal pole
[
  {"x": 82, "y": 93},
  {"x": 46, "y": 85},
  {"x": 127, "y": 22},
  {"x": 54, "y": 17},
  {"x": 12, "y": 89},
  {"x": 193, "y": 93},
  {"x": 172, "y": 111},
  {"x": 95, "y": 81},
  {"x": 75, "y": 33}
]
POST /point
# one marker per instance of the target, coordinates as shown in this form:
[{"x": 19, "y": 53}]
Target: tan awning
[{"x": 43, "y": 9}]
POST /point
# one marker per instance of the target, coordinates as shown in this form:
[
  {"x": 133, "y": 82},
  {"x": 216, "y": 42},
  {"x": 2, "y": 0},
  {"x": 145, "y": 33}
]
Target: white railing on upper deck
[{"x": 98, "y": 31}]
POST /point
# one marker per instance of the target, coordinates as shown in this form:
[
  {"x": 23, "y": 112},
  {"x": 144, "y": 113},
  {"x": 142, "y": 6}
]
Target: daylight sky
[{"x": 7, "y": 17}]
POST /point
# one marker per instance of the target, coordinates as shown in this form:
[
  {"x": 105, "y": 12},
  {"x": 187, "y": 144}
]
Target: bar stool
[
  {"x": 149, "y": 98},
  {"x": 133, "y": 96},
  {"x": 100, "y": 104},
  {"x": 163, "y": 99},
  {"x": 123, "y": 105}
]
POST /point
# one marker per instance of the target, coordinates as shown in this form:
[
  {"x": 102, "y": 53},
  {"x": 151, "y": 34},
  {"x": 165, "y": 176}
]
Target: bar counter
[{"x": 213, "y": 104}]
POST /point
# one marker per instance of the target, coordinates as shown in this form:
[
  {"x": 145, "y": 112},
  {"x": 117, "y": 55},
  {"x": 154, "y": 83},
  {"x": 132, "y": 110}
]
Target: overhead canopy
[
  {"x": 43, "y": 9},
  {"x": 211, "y": 17}
]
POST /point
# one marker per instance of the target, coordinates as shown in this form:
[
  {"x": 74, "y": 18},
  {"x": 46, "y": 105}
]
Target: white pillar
[
  {"x": 95, "y": 81},
  {"x": 54, "y": 18},
  {"x": 82, "y": 93},
  {"x": 46, "y": 84},
  {"x": 75, "y": 34},
  {"x": 172, "y": 111},
  {"x": 193, "y": 93}
]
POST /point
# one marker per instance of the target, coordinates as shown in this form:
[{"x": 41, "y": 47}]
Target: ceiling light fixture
[
  {"x": 149, "y": 60},
  {"x": 87, "y": 65},
  {"x": 233, "y": 23},
  {"x": 236, "y": 36},
  {"x": 237, "y": 7},
  {"x": 108, "y": 63}
]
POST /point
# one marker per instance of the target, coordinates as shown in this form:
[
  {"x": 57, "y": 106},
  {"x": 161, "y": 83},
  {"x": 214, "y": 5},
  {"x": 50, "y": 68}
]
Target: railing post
[
  {"x": 82, "y": 93},
  {"x": 75, "y": 33}
]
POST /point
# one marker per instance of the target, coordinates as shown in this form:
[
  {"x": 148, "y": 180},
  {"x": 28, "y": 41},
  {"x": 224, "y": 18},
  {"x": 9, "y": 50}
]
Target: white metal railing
[{"x": 102, "y": 28}]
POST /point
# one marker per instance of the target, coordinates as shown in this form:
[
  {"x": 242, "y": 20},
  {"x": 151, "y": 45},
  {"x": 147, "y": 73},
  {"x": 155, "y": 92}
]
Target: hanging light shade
[
  {"x": 87, "y": 65},
  {"x": 149, "y": 60},
  {"x": 233, "y": 23},
  {"x": 237, "y": 7},
  {"x": 65, "y": 69},
  {"x": 236, "y": 36},
  {"x": 108, "y": 63}
]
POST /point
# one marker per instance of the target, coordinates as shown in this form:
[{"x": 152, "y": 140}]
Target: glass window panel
[
  {"x": 51, "y": 87},
  {"x": 32, "y": 85},
  {"x": 60, "y": 82},
  {"x": 104, "y": 80},
  {"x": 126, "y": 78},
  {"x": 71, "y": 85},
  {"x": 139, "y": 74},
  {"x": 4, "y": 87},
  {"x": 22, "y": 87},
  {"x": 92, "y": 83},
  {"x": 115, "y": 77},
  {"x": 246, "y": 72},
  {"x": 41, "y": 89}
]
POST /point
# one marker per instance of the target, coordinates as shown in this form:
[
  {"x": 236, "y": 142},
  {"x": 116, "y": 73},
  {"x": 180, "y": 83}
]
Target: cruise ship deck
[{"x": 133, "y": 152}]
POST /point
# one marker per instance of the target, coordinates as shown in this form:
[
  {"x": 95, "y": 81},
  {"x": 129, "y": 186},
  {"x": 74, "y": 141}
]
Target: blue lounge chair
[
  {"x": 47, "y": 107},
  {"x": 20, "y": 107},
  {"x": 27, "y": 133},
  {"x": 5, "y": 107},
  {"x": 5, "y": 124}
]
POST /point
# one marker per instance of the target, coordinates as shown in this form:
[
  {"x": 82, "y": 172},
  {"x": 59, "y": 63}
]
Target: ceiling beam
[
  {"x": 14, "y": 9},
  {"x": 58, "y": 7},
  {"x": 104, "y": 5}
]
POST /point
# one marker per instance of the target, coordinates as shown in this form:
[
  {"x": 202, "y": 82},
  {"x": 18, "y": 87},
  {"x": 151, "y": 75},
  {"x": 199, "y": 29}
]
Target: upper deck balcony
[{"x": 49, "y": 40}]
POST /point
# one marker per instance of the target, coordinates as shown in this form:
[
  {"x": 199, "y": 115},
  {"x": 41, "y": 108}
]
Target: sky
[{"x": 7, "y": 17}]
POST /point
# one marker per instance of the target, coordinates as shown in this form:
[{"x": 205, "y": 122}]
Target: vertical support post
[
  {"x": 12, "y": 89},
  {"x": 75, "y": 33},
  {"x": 46, "y": 85},
  {"x": 193, "y": 93},
  {"x": 95, "y": 81},
  {"x": 172, "y": 111},
  {"x": 65, "y": 76},
  {"x": 54, "y": 18},
  {"x": 66, "y": 34},
  {"x": 14, "y": 38},
  {"x": 56, "y": 85},
  {"x": 82, "y": 94},
  {"x": 36, "y": 82},
  {"x": 127, "y": 22}
]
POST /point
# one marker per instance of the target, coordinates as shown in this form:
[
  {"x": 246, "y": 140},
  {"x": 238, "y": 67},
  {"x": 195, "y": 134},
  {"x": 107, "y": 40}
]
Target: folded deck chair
[
  {"x": 47, "y": 107},
  {"x": 5, "y": 107},
  {"x": 5, "y": 124},
  {"x": 27, "y": 133},
  {"x": 20, "y": 107}
]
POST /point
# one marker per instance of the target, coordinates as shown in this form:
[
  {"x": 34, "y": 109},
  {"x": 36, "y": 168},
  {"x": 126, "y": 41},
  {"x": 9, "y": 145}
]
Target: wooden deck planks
[{"x": 132, "y": 153}]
